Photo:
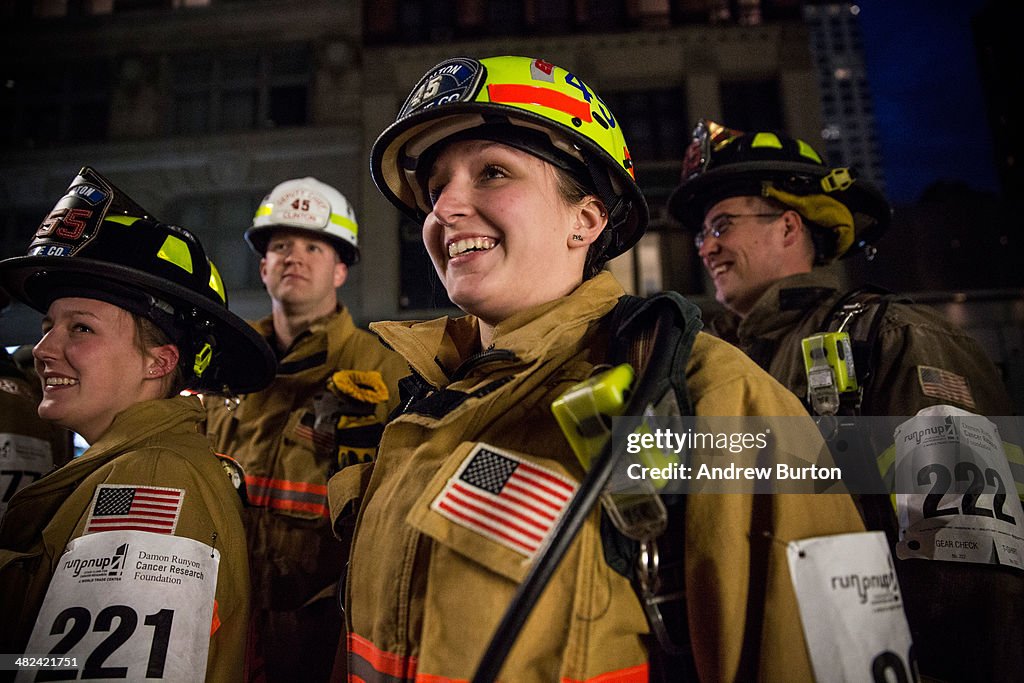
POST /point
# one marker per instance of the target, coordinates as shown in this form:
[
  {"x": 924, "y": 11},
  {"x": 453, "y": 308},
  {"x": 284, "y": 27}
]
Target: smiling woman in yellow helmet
[
  {"x": 524, "y": 185},
  {"x": 552, "y": 123},
  {"x": 142, "y": 534}
]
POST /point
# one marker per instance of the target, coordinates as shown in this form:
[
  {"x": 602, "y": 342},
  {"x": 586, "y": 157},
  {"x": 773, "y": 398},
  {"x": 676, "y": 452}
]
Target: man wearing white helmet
[{"x": 324, "y": 411}]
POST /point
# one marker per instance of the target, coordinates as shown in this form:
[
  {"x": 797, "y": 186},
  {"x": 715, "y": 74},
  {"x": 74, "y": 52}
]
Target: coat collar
[
  {"x": 340, "y": 321},
  {"x": 130, "y": 428},
  {"x": 436, "y": 349},
  {"x": 786, "y": 302}
]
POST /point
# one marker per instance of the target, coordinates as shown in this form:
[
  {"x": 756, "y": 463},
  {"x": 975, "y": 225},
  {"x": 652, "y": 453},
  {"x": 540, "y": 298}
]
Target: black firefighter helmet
[
  {"x": 97, "y": 243},
  {"x": 721, "y": 163}
]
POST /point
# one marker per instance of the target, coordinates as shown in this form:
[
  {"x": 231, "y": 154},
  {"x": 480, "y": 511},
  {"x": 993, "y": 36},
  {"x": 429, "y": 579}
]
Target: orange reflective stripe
[
  {"x": 380, "y": 663},
  {"x": 294, "y": 506},
  {"x": 634, "y": 674},
  {"x": 280, "y": 494},
  {"x": 511, "y": 93},
  {"x": 285, "y": 485},
  {"x": 373, "y": 665},
  {"x": 215, "y": 623}
]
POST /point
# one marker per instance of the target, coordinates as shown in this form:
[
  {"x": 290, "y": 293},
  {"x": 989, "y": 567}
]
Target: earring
[{"x": 577, "y": 238}]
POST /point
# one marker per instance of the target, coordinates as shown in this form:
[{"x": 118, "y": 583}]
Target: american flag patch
[
  {"x": 945, "y": 385},
  {"x": 117, "y": 507},
  {"x": 323, "y": 441},
  {"x": 505, "y": 498}
]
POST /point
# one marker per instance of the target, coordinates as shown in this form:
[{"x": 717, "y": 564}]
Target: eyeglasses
[{"x": 723, "y": 222}]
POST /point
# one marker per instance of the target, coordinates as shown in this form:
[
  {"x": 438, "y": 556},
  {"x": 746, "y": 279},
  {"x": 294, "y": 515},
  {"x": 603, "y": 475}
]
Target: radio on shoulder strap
[{"x": 840, "y": 361}]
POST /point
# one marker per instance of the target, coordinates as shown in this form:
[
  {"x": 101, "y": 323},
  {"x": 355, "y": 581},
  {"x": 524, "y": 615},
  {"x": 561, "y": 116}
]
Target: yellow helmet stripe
[
  {"x": 766, "y": 140},
  {"x": 174, "y": 250},
  {"x": 265, "y": 210},
  {"x": 808, "y": 151},
  {"x": 345, "y": 222},
  {"x": 216, "y": 283},
  {"x": 123, "y": 220}
]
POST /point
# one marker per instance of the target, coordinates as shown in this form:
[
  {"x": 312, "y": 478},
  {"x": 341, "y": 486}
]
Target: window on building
[
  {"x": 602, "y": 16},
  {"x": 415, "y": 21},
  {"x": 419, "y": 21},
  {"x": 49, "y": 105},
  {"x": 781, "y": 9},
  {"x": 379, "y": 19},
  {"x": 749, "y": 12},
  {"x": 653, "y": 121},
  {"x": 551, "y": 16},
  {"x": 691, "y": 11},
  {"x": 412, "y": 19},
  {"x": 752, "y": 105},
  {"x": 504, "y": 17},
  {"x": 136, "y": 5},
  {"x": 244, "y": 90}
]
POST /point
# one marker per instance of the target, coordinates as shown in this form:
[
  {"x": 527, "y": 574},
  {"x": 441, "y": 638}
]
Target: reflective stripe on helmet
[
  {"x": 461, "y": 96},
  {"x": 510, "y": 93},
  {"x": 808, "y": 151},
  {"x": 174, "y": 250},
  {"x": 217, "y": 283},
  {"x": 123, "y": 220},
  {"x": 770, "y": 140},
  {"x": 346, "y": 223},
  {"x": 307, "y": 204}
]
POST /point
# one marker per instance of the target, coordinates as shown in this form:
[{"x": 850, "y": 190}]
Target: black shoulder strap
[
  {"x": 675, "y": 325},
  {"x": 634, "y": 328}
]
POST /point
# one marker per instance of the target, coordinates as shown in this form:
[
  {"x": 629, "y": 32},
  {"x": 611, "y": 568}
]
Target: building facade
[{"x": 196, "y": 108}]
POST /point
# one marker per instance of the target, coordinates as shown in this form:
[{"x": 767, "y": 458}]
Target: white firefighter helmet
[{"x": 306, "y": 205}]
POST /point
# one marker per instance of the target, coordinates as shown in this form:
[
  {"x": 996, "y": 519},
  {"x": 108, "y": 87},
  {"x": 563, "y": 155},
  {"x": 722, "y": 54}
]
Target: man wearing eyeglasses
[{"x": 767, "y": 214}]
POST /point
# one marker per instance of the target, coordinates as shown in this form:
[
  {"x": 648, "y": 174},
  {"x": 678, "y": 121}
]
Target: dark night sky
[{"x": 922, "y": 71}]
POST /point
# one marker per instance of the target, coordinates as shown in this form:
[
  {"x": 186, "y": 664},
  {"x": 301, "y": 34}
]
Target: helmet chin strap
[{"x": 617, "y": 205}]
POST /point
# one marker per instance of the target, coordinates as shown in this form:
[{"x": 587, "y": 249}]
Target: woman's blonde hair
[{"x": 148, "y": 336}]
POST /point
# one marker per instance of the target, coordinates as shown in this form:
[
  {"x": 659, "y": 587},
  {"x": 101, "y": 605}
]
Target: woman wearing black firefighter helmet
[
  {"x": 522, "y": 180},
  {"x": 134, "y": 312}
]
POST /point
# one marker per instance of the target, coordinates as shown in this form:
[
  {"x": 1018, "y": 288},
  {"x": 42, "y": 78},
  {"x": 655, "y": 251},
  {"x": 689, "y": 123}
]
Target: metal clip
[
  {"x": 231, "y": 402},
  {"x": 650, "y": 583},
  {"x": 851, "y": 311}
]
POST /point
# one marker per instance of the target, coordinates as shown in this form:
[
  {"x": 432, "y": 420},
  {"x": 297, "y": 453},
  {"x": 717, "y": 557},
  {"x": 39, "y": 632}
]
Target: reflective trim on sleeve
[
  {"x": 281, "y": 494},
  {"x": 370, "y": 664},
  {"x": 634, "y": 674}
]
